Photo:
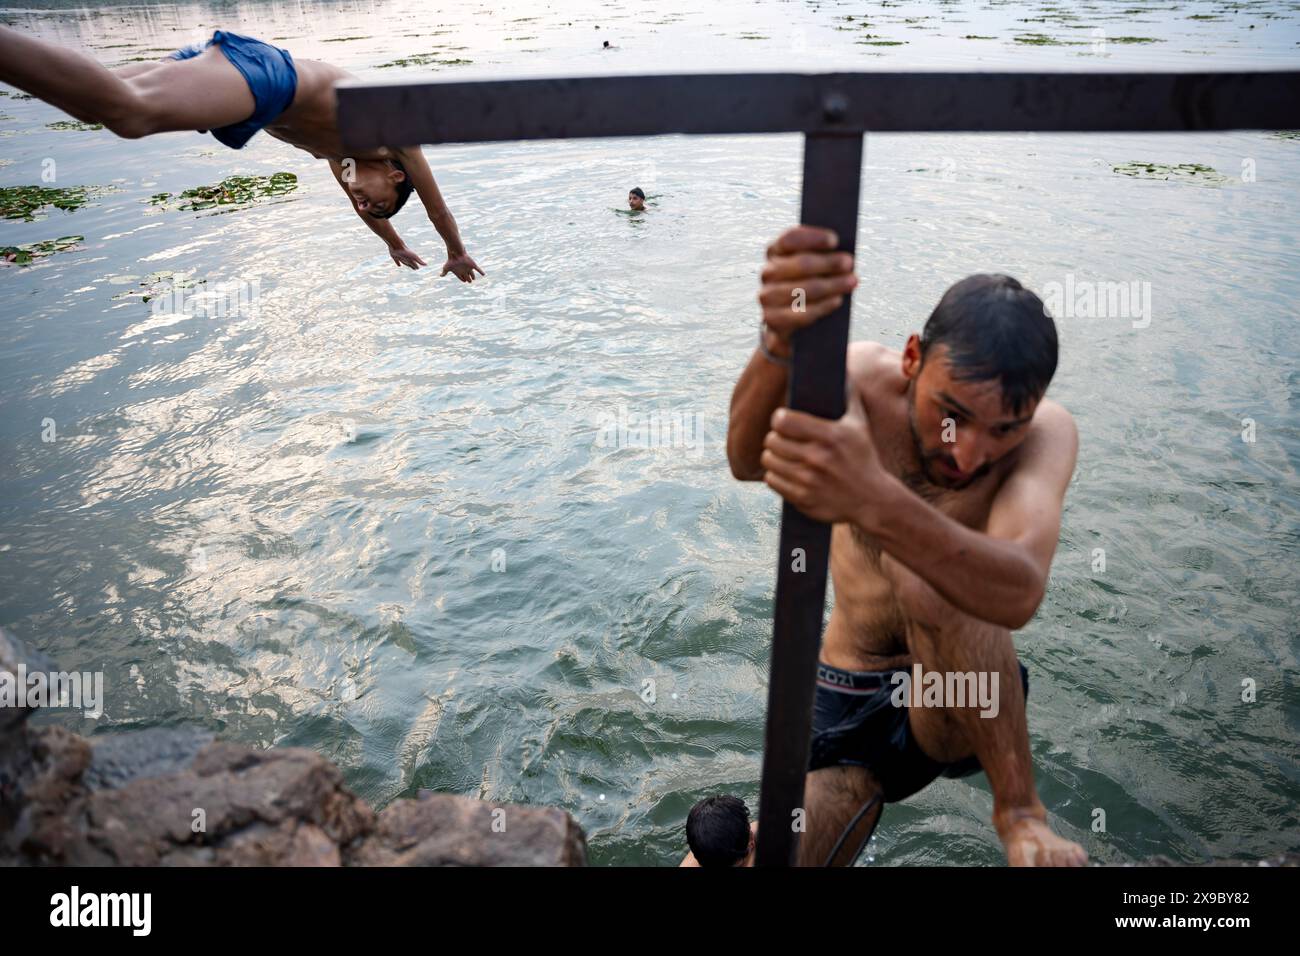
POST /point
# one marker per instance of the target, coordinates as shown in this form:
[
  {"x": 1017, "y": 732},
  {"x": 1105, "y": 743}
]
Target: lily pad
[
  {"x": 74, "y": 125},
  {"x": 23, "y": 202},
  {"x": 160, "y": 283},
  {"x": 1181, "y": 172},
  {"x": 24, "y": 255},
  {"x": 231, "y": 191},
  {"x": 424, "y": 59},
  {"x": 1042, "y": 39}
]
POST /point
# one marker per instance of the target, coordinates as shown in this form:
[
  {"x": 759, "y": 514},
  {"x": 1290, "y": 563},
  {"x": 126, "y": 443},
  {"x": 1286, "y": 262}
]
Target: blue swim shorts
[{"x": 271, "y": 76}]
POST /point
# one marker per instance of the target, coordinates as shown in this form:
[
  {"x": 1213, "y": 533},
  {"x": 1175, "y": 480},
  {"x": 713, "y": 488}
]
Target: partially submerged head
[
  {"x": 380, "y": 187},
  {"x": 718, "y": 832},
  {"x": 976, "y": 373},
  {"x": 636, "y": 199}
]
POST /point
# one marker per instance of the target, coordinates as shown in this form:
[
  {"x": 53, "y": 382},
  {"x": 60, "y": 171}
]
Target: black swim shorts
[{"x": 856, "y": 723}]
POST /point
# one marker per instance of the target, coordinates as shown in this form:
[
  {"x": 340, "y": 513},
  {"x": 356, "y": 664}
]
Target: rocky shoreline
[{"x": 179, "y": 797}]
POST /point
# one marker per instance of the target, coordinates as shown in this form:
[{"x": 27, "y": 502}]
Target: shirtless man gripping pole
[
  {"x": 234, "y": 86},
  {"x": 944, "y": 482}
]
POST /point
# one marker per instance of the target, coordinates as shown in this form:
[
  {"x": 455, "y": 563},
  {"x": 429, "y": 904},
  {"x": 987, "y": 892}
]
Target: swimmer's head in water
[
  {"x": 380, "y": 187},
  {"x": 976, "y": 373},
  {"x": 636, "y": 198},
  {"x": 718, "y": 831}
]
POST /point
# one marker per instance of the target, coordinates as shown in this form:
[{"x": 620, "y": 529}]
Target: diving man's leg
[{"x": 203, "y": 92}]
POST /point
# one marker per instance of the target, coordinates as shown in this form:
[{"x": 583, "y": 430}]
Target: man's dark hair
[
  {"x": 636, "y": 191},
  {"x": 995, "y": 328},
  {"x": 717, "y": 830},
  {"x": 404, "y": 189}
]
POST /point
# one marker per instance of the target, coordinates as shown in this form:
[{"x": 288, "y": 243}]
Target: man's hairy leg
[
  {"x": 947, "y": 641},
  {"x": 833, "y": 796}
]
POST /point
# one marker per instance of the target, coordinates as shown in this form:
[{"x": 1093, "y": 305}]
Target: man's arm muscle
[{"x": 998, "y": 575}]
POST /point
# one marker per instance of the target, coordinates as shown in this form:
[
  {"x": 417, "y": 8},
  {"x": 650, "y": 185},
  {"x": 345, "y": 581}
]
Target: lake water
[{"x": 392, "y": 518}]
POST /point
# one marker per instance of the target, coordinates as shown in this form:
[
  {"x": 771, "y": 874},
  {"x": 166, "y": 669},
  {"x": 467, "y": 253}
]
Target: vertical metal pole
[{"x": 832, "y": 168}]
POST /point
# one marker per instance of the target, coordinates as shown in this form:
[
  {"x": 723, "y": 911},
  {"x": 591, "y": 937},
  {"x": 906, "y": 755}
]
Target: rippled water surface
[{"x": 382, "y": 514}]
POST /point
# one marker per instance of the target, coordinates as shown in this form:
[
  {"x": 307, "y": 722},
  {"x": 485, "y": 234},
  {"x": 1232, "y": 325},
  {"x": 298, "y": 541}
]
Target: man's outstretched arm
[
  {"x": 831, "y": 472},
  {"x": 458, "y": 261},
  {"x": 382, "y": 228}
]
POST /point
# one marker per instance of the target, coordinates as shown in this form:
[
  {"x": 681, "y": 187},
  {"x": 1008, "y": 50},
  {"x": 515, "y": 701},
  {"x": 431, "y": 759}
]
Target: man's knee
[{"x": 131, "y": 114}]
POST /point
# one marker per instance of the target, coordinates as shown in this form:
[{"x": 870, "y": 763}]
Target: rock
[
  {"x": 168, "y": 797},
  {"x": 119, "y": 758},
  {"x": 440, "y": 829},
  {"x": 39, "y": 811},
  {"x": 15, "y": 658},
  {"x": 177, "y": 797},
  {"x": 231, "y": 806}
]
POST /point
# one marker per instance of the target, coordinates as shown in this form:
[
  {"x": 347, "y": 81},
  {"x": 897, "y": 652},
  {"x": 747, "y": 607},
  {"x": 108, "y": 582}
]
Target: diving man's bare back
[{"x": 311, "y": 123}]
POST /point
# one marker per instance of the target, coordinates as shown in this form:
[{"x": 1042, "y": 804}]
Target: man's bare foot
[{"x": 1030, "y": 842}]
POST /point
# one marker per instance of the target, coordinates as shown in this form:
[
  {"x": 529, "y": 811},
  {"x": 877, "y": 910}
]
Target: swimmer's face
[
  {"x": 374, "y": 188},
  {"x": 960, "y": 428},
  {"x": 635, "y": 202}
]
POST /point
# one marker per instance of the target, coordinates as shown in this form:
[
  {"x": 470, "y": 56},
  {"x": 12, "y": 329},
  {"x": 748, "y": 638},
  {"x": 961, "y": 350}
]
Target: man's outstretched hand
[
  {"x": 403, "y": 256},
  {"x": 462, "y": 267}
]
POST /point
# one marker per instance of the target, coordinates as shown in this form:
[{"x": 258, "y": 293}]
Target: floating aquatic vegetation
[
  {"x": 424, "y": 59},
  {"x": 23, "y": 202},
  {"x": 17, "y": 96},
  {"x": 1278, "y": 133},
  {"x": 24, "y": 255},
  {"x": 344, "y": 39},
  {"x": 1042, "y": 39},
  {"x": 753, "y": 36},
  {"x": 231, "y": 191},
  {"x": 975, "y": 36},
  {"x": 158, "y": 283},
  {"x": 875, "y": 42},
  {"x": 1182, "y": 172},
  {"x": 74, "y": 125},
  {"x": 1133, "y": 40}
]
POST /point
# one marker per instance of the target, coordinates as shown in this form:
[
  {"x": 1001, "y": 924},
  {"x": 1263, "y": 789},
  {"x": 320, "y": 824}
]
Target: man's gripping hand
[
  {"x": 803, "y": 280},
  {"x": 827, "y": 469}
]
